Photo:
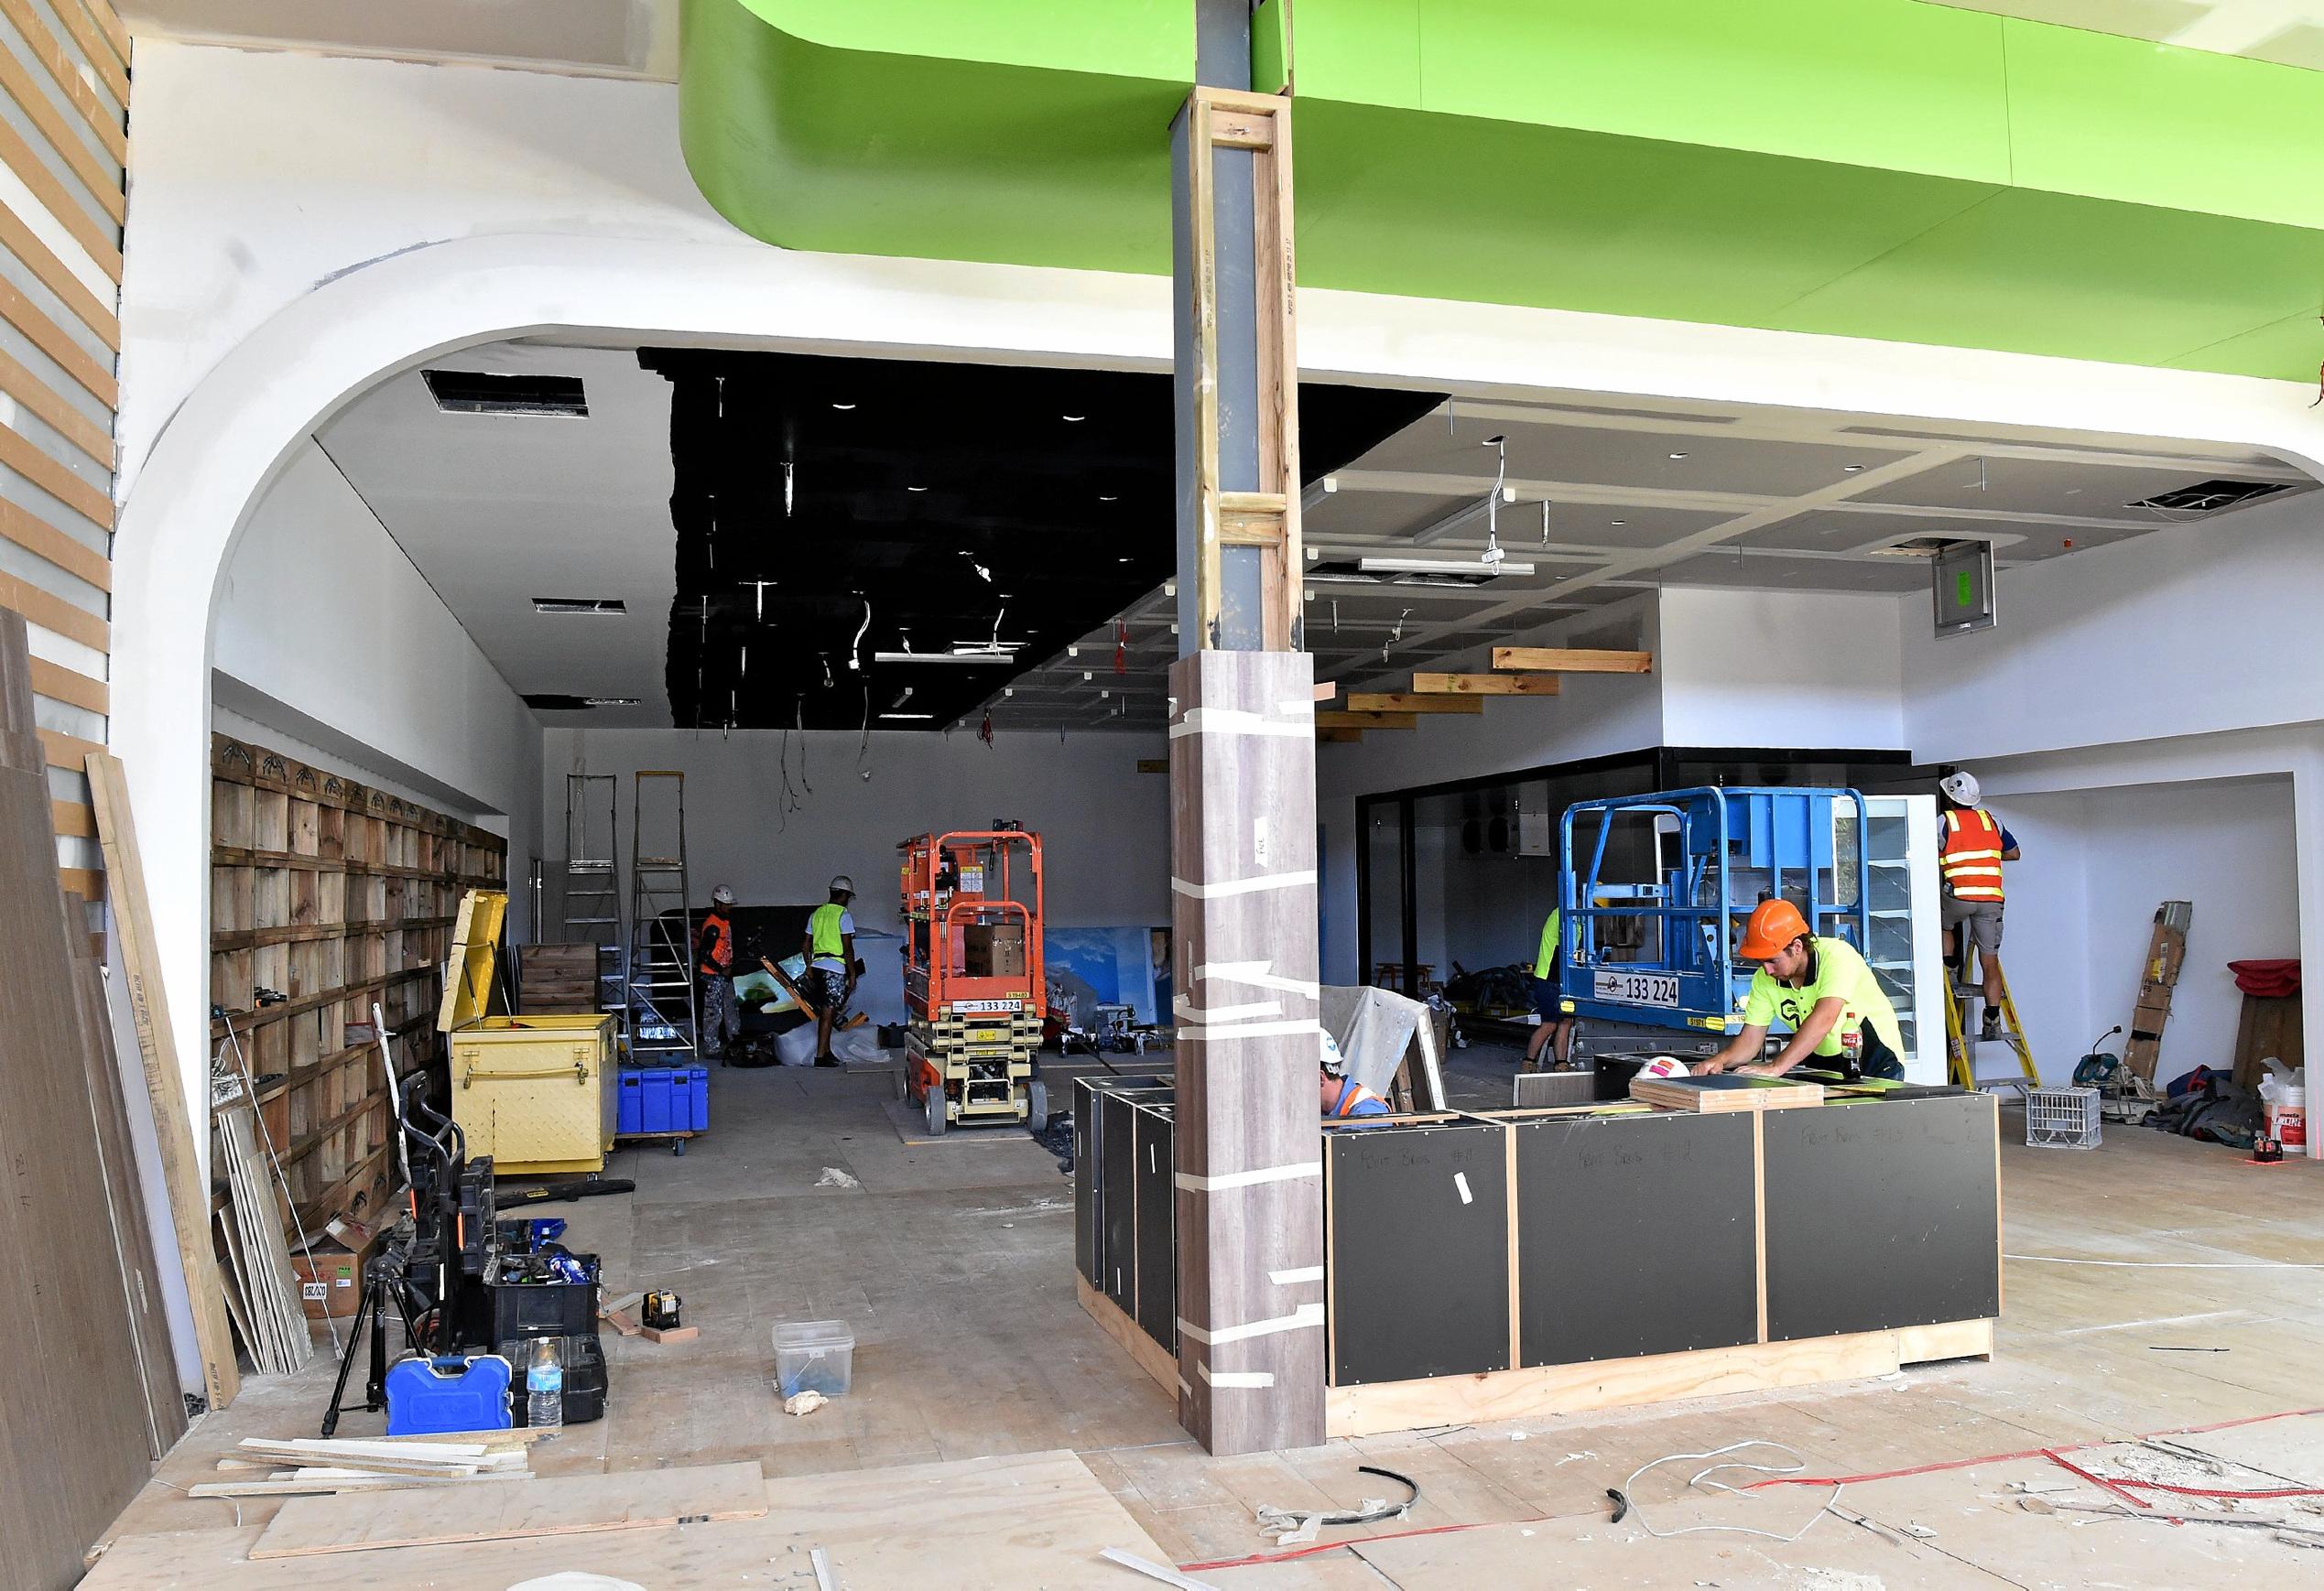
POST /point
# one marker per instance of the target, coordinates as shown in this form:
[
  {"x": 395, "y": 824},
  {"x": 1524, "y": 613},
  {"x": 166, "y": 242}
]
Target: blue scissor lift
[{"x": 1656, "y": 890}]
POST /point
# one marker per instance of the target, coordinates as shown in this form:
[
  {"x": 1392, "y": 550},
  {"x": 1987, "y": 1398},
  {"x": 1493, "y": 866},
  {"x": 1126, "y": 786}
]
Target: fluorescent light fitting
[
  {"x": 1106, "y": 497},
  {"x": 609, "y": 702},
  {"x": 1439, "y": 566},
  {"x": 916, "y": 489},
  {"x": 1851, "y": 469},
  {"x": 1678, "y": 455},
  {"x": 971, "y": 657},
  {"x": 842, "y": 407},
  {"x": 906, "y": 716},
  {"x": 1073, "y": 419},
  {"x": 580, "y": 605}
]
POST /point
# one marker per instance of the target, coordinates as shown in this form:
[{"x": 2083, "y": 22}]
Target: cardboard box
[
  {"x": 995, "y": 950},
  {"x": 2165, "y": 952},
  {"x": 332, "y": 1284}
]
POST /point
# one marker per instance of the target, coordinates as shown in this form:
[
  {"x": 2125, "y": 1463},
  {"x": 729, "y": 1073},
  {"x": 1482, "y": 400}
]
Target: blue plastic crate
[
  {"x": 654, "y": 1112},
  {"x": 629, "y": 1108},
  {"x": 697, "y": 1091},
  {"x": 457, "y": 1394}
]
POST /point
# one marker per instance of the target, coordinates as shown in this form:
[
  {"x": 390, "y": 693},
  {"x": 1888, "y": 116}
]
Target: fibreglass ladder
[
  {"x": 662, "y": 1014},
  {"x": 1961, "y": 1050},
  {"x": 593, "y": 900}
]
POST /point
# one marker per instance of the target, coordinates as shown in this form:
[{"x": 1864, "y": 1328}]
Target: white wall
[
  {"x": 1104, "y": 827},
  {"x": 262, "y": 174},
  {"x": 2082, "y": 904},
  {"x": 1744, "y": 667},
  {"x": 329, "y": 641},
  {"x": 2195, "y": 629}
]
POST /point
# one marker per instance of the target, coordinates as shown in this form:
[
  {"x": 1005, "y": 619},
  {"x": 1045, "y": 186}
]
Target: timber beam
[
  {"x": 1367, "y": 721},
  {"x": 1569, "y": 660},
  {"x": 1459, "y": 684},
  {"x": 1408, "y": 701}
]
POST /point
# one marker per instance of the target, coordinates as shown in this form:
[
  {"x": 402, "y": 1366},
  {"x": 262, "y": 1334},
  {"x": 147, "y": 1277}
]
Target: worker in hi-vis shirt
[
  {"x": 1554, "y": 1032},
  {"x": 832, "y": 966},
  {"x": 1968, "y": 861},
  {"x": 1822, "y": 988}
]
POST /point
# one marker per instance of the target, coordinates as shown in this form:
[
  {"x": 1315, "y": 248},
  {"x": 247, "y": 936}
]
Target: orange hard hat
[{"x": 1773, "y": 925}]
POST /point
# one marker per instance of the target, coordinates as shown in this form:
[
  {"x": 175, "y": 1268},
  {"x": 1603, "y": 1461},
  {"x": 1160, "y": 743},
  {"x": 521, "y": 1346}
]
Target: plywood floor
[{"x": 954, "y": 1264}]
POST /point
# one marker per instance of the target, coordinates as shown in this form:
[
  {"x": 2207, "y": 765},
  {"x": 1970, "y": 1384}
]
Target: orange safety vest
[
  {"x": 717, "y": 946},
  {"x": 1970, "y": 859},
  {"x": 1353, "y": 1094}
]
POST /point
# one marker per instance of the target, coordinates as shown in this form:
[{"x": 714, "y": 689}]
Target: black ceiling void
[{"x": 828, "y": 510}]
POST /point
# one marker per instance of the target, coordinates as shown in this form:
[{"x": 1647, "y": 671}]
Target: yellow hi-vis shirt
[
  {"x": 1545, "y": 964},
  {"x": 829, "y": 926},
  {"x": 1839, "y": 971}
]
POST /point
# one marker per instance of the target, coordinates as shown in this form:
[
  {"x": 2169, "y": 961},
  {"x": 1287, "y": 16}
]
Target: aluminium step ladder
[
  {"x": 663, "y": 1018},
  {"x": 592, "y": 895},
  {"x": 1961, "y": 1045}
]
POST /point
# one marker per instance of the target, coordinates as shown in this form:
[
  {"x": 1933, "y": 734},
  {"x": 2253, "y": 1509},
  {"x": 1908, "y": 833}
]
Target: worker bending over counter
[{"x": 1822, "y": 987}]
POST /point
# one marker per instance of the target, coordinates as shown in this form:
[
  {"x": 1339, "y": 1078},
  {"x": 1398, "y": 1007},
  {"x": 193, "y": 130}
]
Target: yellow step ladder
[{"x": 1961, "y": 1050}]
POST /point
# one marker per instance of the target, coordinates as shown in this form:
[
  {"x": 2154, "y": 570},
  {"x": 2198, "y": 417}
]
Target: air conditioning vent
[
  {"x": 580, "y": 605},
  {"x": 2210, "y": 496},
  {"x": 1918, "y": 547},
  {"x": 550, "y": 701},
  {"x": 472, "y": 392}
]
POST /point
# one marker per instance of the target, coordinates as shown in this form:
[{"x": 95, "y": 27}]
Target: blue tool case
[{"x": 452, "y": 1392}]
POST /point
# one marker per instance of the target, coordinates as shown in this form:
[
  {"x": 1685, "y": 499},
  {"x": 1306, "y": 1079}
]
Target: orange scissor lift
[{"x": 973, "y": 975}]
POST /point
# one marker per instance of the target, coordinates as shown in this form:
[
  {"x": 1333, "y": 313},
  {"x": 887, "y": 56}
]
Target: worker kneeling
[
  {"x": 1819, "y": 986},
  {"x": 1343, "y": 1096}
]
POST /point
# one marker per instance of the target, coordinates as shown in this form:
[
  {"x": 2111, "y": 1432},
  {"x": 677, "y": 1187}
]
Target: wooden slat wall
[{"x": 64, "y": 147}]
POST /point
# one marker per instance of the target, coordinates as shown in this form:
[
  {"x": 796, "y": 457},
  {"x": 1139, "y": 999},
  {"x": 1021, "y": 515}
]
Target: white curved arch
[{"x": 234, "y": 432}]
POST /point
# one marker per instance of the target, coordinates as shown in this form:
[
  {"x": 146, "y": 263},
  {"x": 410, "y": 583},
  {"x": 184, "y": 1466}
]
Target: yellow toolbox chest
[{"x": 536, "y": 1093}]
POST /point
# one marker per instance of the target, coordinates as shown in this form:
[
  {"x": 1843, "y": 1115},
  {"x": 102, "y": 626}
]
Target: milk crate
[{"x": 2061, "y": 1118}]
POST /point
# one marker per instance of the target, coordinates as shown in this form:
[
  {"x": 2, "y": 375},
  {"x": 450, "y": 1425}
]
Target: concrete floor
[{"x": 952, "y": 1263}]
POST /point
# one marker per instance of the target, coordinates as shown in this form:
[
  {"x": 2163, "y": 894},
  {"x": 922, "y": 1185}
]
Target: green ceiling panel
[
  {"x": 1875, "y": 168},
  {"x": 2120, "y": 118},
  {"x": 2139, "y": 286},
  {"x": 1906, "y": 87}
]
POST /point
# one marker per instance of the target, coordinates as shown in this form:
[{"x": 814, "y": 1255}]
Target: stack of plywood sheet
[
  {"x": 556, "y": 980},
  {"x": 1725, "y": 1091}
]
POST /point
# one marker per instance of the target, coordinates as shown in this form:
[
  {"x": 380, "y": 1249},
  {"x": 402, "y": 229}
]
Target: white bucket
[{"x": 2288, "y": 1117}]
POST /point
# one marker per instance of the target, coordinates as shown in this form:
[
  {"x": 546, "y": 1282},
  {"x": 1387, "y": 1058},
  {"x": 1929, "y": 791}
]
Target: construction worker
[
  {"x": 1968, "y": 859},
  {"x": 1555, "y": 1029},
  {"x": 832, "y": 966},
  {"x": 722, "y": 1019},
  {"x": 1819, "y": 986},
  {"x": 1344, "y": 1097}
]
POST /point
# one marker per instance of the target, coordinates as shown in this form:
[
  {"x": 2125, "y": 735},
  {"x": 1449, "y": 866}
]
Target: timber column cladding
[{"x": 1243, "y": 840}]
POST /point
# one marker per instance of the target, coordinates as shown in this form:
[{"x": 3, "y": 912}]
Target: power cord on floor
[{"x": 1624, "y": 1506}]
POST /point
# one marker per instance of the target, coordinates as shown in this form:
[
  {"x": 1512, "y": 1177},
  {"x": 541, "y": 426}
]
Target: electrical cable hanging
[
  {"x": 865, "y": 748},
  {"x": 855, "y": 647}
]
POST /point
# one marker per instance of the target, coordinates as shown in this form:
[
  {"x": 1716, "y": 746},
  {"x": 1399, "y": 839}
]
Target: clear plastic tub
[{"x": 814, "y": 1356}]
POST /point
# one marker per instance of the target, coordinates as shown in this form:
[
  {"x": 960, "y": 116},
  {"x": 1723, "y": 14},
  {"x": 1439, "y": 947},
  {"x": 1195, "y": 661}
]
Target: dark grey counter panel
[
  {"x": 1880, "y": 1215},
  {"x": 1156, "y": 1175},
  {"x": 1419, "y": 1253},
  {"x": 1086, "y": 1239},
  {"x": 1117, "y": 1202},
  {"x": 1635, "y": 1236}
]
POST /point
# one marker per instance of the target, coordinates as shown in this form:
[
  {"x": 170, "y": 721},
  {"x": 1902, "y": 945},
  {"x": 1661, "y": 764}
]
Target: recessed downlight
[
  {"x": 1678, "y": 455},
  {"x": 1109, "y": 497},
  {"x": 842, "y": 407},
  {"x": 1851, "y": 469},
  {"x": 916, "y": 489},
  {"x": 1617, "y": 522},
  {"x": 1073, "y": 419}
]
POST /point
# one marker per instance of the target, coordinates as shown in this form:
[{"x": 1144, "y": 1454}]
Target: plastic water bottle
[{"x": 544, "y": 1385}]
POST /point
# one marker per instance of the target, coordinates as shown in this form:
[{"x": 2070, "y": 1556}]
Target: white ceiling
[
  {"x": 496, "y": 510},
  {"x": 610, "y": 38}
]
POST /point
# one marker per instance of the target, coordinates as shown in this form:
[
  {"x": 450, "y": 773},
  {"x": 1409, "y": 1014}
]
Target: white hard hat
[
  {"x": 1961, "y": 788},
  {"x": 1664, "y": 1066},
  {"x": 843, "y": 884},
  {"x": 1333, "y": 1062},
  {"x": 724, "y": 896}
]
